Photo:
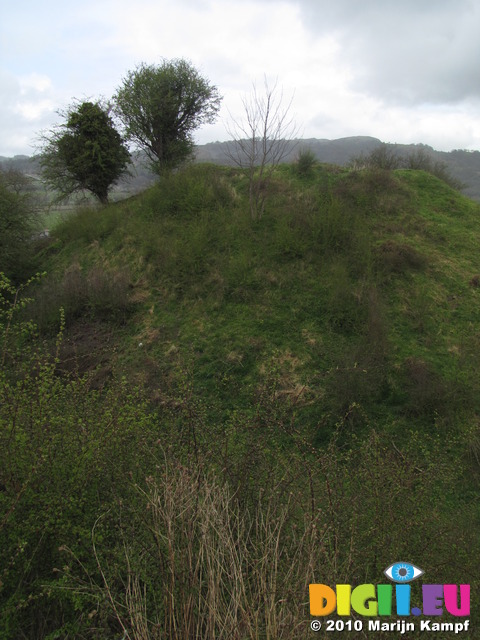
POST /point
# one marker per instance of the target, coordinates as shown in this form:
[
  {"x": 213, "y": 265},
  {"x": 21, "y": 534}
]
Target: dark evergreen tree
[{"x": 86, "y": 153}]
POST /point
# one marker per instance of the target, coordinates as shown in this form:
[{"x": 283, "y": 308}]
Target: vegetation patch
[
  {"x": 395, "y": 257},
  {"x": 279, "y": 392}
]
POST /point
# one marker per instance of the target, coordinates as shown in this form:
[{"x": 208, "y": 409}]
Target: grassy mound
[{"x": 302, "y": 388}]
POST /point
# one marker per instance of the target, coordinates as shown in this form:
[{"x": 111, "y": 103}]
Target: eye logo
[{"x": 403, "y": 572}]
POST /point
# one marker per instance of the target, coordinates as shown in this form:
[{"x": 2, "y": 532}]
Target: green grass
[
  {"x": 327, "y": 351},
  {"x": 342, "y": 264}
]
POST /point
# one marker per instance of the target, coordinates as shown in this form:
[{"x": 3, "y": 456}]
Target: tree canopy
[
  {"x": 161, "y": 106},
  {"x": 84, "y": 153}
]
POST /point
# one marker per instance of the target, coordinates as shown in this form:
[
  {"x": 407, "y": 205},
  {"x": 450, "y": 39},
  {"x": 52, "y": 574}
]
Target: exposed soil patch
[{"x": 89, "y": 347}]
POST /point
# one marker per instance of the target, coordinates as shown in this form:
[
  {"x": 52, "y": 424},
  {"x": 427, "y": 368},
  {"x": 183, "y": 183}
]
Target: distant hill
[
  {"x": 329, "y": 151},
  {"x": 462, "y": 165}
]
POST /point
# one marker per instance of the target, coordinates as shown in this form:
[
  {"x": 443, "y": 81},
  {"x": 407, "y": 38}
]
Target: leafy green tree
[
  {"x": 86, "y": 153},
  {"x": 161, "y": 106},
  {"x": 16, "y": 226}
]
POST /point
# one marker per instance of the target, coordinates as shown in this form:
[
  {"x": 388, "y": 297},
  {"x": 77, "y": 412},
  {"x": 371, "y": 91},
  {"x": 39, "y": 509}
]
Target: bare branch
[{"x": 262, "y": 139}]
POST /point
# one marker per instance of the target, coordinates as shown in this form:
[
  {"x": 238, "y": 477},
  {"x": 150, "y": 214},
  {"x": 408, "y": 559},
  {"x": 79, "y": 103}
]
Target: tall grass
[{"x": 195, "y": 562}]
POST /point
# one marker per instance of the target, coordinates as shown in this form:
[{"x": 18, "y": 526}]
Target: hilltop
[
  {"x": 462, "y": 165},
  {"x": 296, "y": 395}
]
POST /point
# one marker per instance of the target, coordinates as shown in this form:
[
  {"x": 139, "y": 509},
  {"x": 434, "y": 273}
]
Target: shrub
[
  {"x": 88, "y": 224},
  {"x": 99, "y": 292},
  {"x": 382, "y": 157},
  {"x": 190, "y": 191},
  {"x": 304, "y": 162},
  {"x": 66, "y": 452},
  {"x": 16, "y": 227},
  {"x": 421, "y": 160}
]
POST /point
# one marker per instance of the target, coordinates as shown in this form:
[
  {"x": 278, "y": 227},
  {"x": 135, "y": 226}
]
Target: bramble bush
[{"x": 67, "y": 453}]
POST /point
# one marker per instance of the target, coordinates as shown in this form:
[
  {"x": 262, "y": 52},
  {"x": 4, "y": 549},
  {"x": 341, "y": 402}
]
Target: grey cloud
[{"x": 408, "y": 52}]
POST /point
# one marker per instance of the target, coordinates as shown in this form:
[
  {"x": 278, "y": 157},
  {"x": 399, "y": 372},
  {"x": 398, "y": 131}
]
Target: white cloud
[
  {"x": 401, "y": 71},
  {"x": 36, "y": 82},
  {"x": 27, "y": 104},
  {"x": 33, "y": 111}
]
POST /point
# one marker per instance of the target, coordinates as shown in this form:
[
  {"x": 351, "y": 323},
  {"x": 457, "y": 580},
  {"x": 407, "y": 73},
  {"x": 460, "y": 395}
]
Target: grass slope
[
  {"x": 358, "y": 289},
  {"x": 310, "y": 396}
]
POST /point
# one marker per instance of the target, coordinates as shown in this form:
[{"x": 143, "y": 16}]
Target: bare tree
[{"x": 261, "y": 140}]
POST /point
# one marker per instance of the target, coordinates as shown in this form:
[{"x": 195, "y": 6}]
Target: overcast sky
[{"x": 405, "y": 71}]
